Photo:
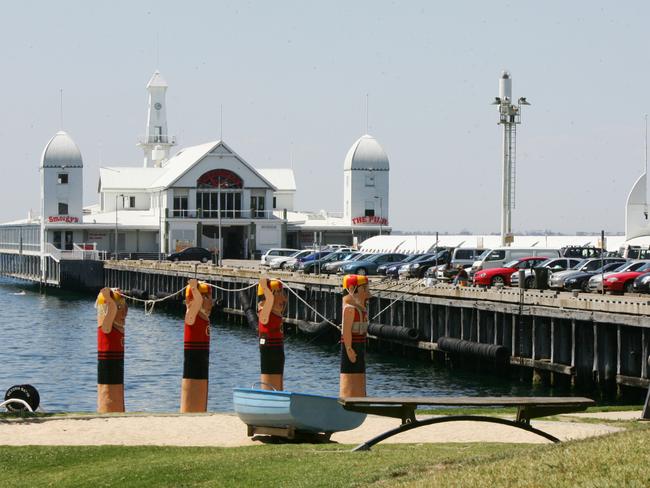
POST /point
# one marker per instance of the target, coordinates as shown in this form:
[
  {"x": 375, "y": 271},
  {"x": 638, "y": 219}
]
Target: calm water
[{"x": 50, "y": 341}]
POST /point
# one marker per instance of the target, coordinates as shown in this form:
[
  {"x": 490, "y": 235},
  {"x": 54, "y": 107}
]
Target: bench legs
[{"x": 452, "y": 418}]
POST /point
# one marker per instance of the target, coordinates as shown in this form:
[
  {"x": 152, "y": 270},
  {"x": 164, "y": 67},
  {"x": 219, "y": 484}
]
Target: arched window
[{"x": 219, "y": 178}]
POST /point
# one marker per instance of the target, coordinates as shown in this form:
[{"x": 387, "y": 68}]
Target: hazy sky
[{"x": 293, "y": 77}]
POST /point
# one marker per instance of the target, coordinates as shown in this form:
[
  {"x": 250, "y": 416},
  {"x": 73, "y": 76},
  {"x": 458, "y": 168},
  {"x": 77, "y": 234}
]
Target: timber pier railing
[{"x": 561, "y": 338}]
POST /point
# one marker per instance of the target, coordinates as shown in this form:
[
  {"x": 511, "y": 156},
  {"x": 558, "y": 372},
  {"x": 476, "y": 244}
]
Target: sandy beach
[{"x": 226, "y": 430}]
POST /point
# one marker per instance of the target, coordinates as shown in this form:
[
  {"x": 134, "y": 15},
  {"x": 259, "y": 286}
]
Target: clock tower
[{"x": 156, "y": 142}]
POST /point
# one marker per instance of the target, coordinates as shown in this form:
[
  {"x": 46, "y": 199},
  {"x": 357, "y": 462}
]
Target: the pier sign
[
  {"x": 370, "y": 220},
  {"x": 63, "y": 219}
]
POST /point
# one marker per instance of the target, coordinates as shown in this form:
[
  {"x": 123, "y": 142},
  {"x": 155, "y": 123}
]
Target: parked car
[
  {"x": 282, "y": 261},
  {"x": 501, "y": 276},
  {"x": 369, "y": 265},
  {"x": 579, "y": 280},
  {"x": 191, "y": 254},
  {"x": 274, "y": 253},
  {"x": 384, "y": 267},
  {"x": 316, "y": 265},
  {"x": 417, "y": 268},
  {"x": 556, "y": 281},
  {"x": 642, "y": 283},
  {"x": 496, "y": 258},
  {"x": 312, "y": 256},
  {"x": 392, "y": 271},
  {"x": 595, "y": 283},
  {"x": 623, "y": 281},
  {"x": 335, "y": 266},
  {"x": 553, "y": 265}
]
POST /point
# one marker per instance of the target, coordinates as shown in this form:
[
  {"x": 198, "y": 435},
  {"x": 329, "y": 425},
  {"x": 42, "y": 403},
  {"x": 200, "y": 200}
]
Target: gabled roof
[
  {"x": 188, "y": 157},
  {"x": 282, "y": 178},
  {"x": 127, "y": 178}
]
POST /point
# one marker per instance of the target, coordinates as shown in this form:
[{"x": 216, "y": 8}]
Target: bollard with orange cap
[
  {"x": 196, "y": 346},
  {"x": 111, "y": 317},
  {"x": 353, "y": 336},
  {"x": 273, "y": 301}
]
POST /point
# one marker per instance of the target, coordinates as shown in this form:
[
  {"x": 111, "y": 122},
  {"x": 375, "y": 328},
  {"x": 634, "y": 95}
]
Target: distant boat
[
  {"x": 286, "y": 414},
  {"x": 20, "y": 293}
]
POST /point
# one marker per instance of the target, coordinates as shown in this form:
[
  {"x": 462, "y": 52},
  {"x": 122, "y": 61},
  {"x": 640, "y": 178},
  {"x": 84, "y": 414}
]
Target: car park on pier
[
  {"x": 334, "y": 266},
  {"x": 595, "y": 283},
  {"x": 579, "y": 280},
  {"x": 496, "y": 258},
  {"x": 383, "y": 269},
  {"x": 557, "y": 280}
]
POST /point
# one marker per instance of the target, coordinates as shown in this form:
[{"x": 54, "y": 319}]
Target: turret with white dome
[
  {"x": 365, "y": 187},
  {"x": 61, "y": 180}
]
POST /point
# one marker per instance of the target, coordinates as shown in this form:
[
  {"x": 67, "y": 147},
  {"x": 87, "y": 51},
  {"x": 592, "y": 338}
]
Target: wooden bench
[{"x": 404, "y": 408}]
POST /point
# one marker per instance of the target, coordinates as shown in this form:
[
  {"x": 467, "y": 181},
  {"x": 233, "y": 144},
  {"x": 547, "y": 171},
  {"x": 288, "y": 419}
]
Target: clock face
[{"x": 157, "y": 106}]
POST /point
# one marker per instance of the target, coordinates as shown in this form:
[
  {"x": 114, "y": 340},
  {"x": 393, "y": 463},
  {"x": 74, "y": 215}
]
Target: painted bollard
[
  {"x": 272, "y": 302},
  {"x": 111, "y": 317},
  {"x": 353, "y": 336},
  {"x": 196, "y": 347}
]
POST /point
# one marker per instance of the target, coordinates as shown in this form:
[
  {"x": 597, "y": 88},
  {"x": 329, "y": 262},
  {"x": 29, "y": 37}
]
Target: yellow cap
[
  {"x": 203, "y": 287},
  {"x": 274, "y": 285}
]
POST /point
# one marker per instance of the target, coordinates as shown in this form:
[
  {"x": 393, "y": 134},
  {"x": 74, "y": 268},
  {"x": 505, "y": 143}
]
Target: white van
[{"x": 496, "y": 258}]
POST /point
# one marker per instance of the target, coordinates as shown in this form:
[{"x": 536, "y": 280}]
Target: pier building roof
[
  {"x": 61, "y": 151},
  {"x": 282, "y": 178},
  {"x": 157, "y": 80},
  {"x": 366, "y": 154},
  {"x": 127, "y": 178}
]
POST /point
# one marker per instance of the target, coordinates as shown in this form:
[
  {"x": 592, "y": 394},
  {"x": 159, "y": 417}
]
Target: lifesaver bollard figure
[
  {"x": 353, "y": 336},
  {"x": 111, "y": 317},
  {"x": 273, "y": 301},
  {"x": 196, "y": 347}
]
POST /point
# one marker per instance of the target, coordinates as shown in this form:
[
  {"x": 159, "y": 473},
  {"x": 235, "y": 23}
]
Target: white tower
[
  {"x": 509, "y": 117},
  {"x": 156, "y": 142},
  {"x": 365, "y": 187},
  {"x": 61, "y": 181}
]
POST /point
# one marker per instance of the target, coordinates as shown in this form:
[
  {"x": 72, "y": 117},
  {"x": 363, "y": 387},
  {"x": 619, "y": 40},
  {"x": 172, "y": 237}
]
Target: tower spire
[{"x": 156, "y": 142}]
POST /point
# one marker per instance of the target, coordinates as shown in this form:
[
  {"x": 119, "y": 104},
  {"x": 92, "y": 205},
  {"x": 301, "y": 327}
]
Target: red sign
[
  {"x": 64, "y": 219},
  {"x": 370, "y": 220}
]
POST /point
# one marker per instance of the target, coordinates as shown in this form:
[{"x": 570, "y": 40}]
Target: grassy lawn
[{"x": 621, "y": 459}]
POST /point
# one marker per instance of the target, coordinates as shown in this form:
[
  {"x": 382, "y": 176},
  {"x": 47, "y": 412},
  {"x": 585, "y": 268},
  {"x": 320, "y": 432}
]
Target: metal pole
[
  {"x": 219, "y": 215},
  {"x": 381, "y": 216},
  {"x": 115, "y": 226},
  {"x": 602, "y": 250}
]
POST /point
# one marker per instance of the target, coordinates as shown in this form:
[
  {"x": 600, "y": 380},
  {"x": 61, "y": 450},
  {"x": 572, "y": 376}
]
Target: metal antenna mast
[{"x": 509, "y": 117}]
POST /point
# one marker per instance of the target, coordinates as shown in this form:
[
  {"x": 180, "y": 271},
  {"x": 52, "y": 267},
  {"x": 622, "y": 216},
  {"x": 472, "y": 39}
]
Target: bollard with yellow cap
[
  {"x": 353, "y": 336},
  {"x": 111, "y": 317},
  {"x": 271, "y": 306},
  {"x": 196, "y": 347}
]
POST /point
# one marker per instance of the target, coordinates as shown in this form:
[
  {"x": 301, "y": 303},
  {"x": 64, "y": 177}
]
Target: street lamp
[
  {"x": 381, "y": 213},
  {"x": 116, "y": 195}
]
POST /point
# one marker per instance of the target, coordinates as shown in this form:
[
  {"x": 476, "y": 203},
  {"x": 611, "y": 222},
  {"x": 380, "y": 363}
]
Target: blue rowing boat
[{"x": 285, "y": 413}]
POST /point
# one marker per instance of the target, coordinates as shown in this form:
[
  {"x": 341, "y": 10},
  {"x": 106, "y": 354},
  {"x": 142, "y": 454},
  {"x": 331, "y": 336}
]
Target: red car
[
  {"x": 624, "y": 281},
  {"x": 494, "y": 276}
]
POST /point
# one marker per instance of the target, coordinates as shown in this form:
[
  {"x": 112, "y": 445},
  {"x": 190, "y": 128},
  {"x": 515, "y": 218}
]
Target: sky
[{"x": 293, "y": 79}]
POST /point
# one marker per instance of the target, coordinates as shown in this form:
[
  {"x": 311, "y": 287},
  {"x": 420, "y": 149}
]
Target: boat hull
[{"x": 300, "y": 412}]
